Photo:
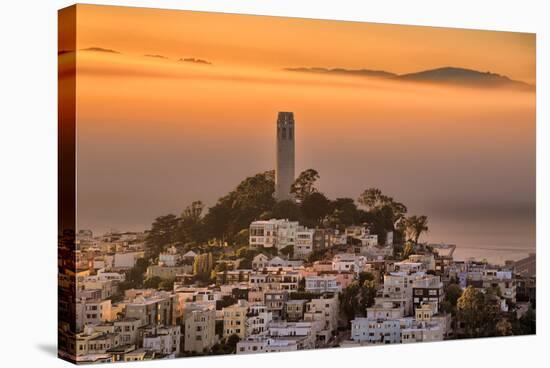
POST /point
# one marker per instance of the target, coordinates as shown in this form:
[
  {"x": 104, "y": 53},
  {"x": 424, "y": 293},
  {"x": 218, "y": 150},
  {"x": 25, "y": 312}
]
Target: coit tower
[{"x": 284, "y": 175}]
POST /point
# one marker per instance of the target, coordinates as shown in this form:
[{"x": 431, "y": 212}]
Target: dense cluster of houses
[{"x": 278, "y": 303}]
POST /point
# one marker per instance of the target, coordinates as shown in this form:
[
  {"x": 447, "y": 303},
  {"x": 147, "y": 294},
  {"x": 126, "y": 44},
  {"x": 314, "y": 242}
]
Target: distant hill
[
  {"x": 465, "y": 77},
  {"x": 357, "y": 72},
  {"x": 445, "y": 75}
]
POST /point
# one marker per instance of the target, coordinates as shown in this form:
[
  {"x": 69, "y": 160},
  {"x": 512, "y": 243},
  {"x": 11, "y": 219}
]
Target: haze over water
[{"x": 155, "y": 133}]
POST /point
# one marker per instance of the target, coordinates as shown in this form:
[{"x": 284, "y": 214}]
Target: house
[
  {"x": 91, "y": 341},
  {"x": 162, "y": 339},
  {"x": 234, "y": 319},
  {"x": 260, "y": 261},
  {"x": 294, "y": 310},
  {"x": 428, "y": 288},
  {"x": 129, "y": 330},
  {"x": 324, "y": 311},
  {"x": 304, "y": 243},
  {"x": 348, "y": 262},
  {"x": 200, "y": 329},
  {"x": 265, "y": 344},
  {"x": 257, "y": 319},
  {"x": 156, "y": 309},
  {"x": 92, "y": 312},
  {"x": 322, "y": 284},
  {"x": 275, "y": 302},
  {"x": 386, "y": 309},
  {"x": 376, "y": 331},
  {"x": 169, "y": 258},
  {"x": 273, "y": 233},
  {"x": 277, "y": 262},
  {"x": 168, "y": 272},
  {"x": 302, "y": 332}
]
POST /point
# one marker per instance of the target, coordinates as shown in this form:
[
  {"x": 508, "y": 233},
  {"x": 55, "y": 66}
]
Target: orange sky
[
  {"x": 156, "y": 133},
  {"x": 275, "y": 42}
]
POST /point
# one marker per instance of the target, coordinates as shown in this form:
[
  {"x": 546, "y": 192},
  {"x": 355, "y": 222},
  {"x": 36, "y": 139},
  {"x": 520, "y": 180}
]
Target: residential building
[
  {"x": 200, "y": 329},
  {"x": 162, "y": 339},
  {"x": 234, "y": 319},
  {"x": 376, "y": 331},
  {"x": 323, "y": 284}
]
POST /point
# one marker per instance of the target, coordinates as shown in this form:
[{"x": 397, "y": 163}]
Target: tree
[
  {"x": 152, "y": 283},
  {"x": 315, "y": 207},
  {"x": 166, "y": 284},
  {"x": 372, "y": 198},
  {"x": 236, "y": 210},
  {"x": 415, "y": 226},
  {"x": 286, "y": 209},
  {"x": 343, "y": 213},
  {"x": 408, "y": 249},
  {"x": 232, "y": 341},
  {"x": 190, "y": 226},
  {"x": 504, "y": 327},
  {"x": 202, "y": 266},
  {"x": 349, "y": 302},
  {"x": 162, "y": 233},
  {"x": 478, "y": 312},
  {"x": 452, "y": 293},
  {"x": 303, "y": 186},
  {"x": 288, "y": 251},
  {"x": 365, "y": 276},
  {"x": 528, "y": 322},
  {"x": 368, "y": 295},
  {"x": 134, "y": 276},
  {"x": 357, "y": 297}
]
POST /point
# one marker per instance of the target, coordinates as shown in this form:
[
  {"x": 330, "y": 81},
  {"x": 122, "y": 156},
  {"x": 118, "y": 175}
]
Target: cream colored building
[
  {"x": 234, "y": 319},
  {"x": 200, "y": 328}
]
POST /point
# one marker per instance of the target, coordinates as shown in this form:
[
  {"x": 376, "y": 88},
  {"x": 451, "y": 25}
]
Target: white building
[
  {"x": 169, "y": 258},
  {"x": 92, "y": 312},
  {"x": 200, "y": 329},
  {"x": 376, "y": 331},
  {"x": 386, "y": 309},
  {"x": 257, "y": 319},
  {"x": 273, "y": 233},
  {"x": 260, "y": 261},
  {"x": 322, "y": 284},
  {"x": 162, "y": 339},
  {"x": 265, "y": 344},
  {"x": 348, "y": 262},
  {"x": 324, "y": 311},
  {"x": 234, "y": 319},
  {"x": 304, "y": 243}
]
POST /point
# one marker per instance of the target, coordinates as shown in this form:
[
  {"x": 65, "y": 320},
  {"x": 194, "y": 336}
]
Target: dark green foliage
[
  {"x": 315, "y": 207},
  {"x": 318, "y": 255},
  {"x": 528, "y": 322},
  {"x": 478, "y": 312},
  {"x": 167, "y": 284},
  {"x": 344, "y": 213},
  {"x": 163, "y": 233},
  {"x": 227, "y": 346},
  {"x": 287, "y": 251},
  {"x": 134, "y": 276},
  {"x": 286, "y": 209},
  {"x": 452, "y": 293},
  {"x": 304, "y": 185},
  {"x": 152, "y": 283},
  {"x": 235, "y": 211},
  {"x": 357, "y": 297}
]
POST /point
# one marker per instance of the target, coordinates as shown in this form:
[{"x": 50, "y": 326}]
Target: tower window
[
  {"x": 283, "y": 133},
  {"x": 289, "y": 133}
]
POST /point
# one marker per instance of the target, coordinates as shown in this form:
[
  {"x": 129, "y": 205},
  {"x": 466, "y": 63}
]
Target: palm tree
[{"x": 416, "y": 225}]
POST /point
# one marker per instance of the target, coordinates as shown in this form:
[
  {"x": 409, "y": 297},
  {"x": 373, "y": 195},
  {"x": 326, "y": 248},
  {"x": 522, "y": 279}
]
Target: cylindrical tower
[{"x": 284, "y": 175}]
